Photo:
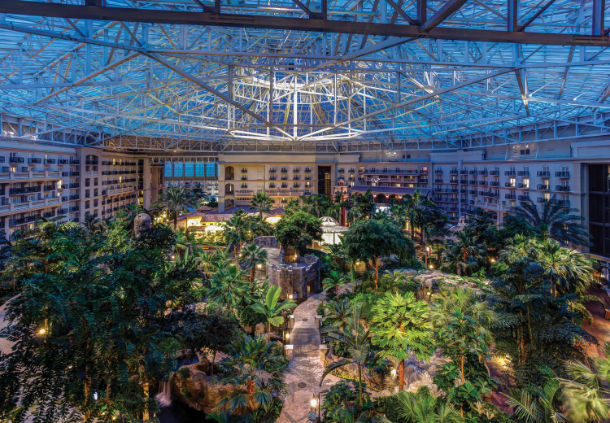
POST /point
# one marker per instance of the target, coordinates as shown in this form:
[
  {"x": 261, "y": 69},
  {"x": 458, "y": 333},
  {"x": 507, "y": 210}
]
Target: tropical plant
[
  {"x": 538, "y": 404},
  {"x": 237, "y": 232},
  {"x": 337, "y": 313},
  {"x": 272, "y": 309},
  {"x": 586, "y": 390},
  {"x": 540, "y": 325},
  {"x": 174, "y": 201},
  {"x": 361, "y": 206},
  {"x": 87, "y": 327},
  {"x": 253, "y": 255},
  {"x": 421, "y": 407},
  {"x": 466, "y": 252},
  {"x": 332, "y": 282},
  {"x": 355, "y": 340},
  {"x": 261, "y": 202},
  {"x": 228, "y": 288},
  {"x": 400, "y": 326},
  {"x": 372, "y": 239},
  {"x": 556, "y": 221},
  {"x": 256, "y": 367},
  {"x": 298, "y": 230}
]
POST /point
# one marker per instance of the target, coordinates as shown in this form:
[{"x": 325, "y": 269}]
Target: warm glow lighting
[
  {"x": 42, "y": 331},
  {"x": 427, "y": 249},
  {"x": 393, "y": 372},
  {"x": 431, "y": 267},
  {"x": 314, "y": 403},
  {"x": 290, "y": 297},
  {"x": 492, "y": 260}
]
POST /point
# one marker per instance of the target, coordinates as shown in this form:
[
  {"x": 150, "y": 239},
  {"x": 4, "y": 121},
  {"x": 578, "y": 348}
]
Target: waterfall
[{"x": 164, "y": 396}]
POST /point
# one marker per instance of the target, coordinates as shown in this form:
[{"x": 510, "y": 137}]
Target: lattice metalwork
[{"x": 290, "y": 74}]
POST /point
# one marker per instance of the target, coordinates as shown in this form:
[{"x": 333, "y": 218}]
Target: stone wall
[
  {"x": 294, "y": 278},
  {"x": 266, "y": 242}
]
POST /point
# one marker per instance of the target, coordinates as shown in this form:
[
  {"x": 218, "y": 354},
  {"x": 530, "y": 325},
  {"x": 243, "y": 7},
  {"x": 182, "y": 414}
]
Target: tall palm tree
[
  {"x": 569, "y": 270},
  {"x": 554, "y": 220},
  {"x": 272, "y": 309},
  {"x": 355, "y": 338},
  {"x": 253, "y": 255},
  {"x": 466, "y": 252},
  {"x": 400, "y": 325},
  {"x": 228, "y": 288},
  {"x": 176, "y": 200},
  {"x": 237, "y": 232},
  {"x": 262, "y": 203}
]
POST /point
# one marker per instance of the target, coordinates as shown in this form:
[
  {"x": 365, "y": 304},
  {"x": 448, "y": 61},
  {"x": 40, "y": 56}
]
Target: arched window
[{"x": 229, "y": 173}]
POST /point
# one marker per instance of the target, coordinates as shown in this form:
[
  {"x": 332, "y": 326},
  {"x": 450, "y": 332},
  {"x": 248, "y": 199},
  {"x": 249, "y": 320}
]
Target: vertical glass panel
[
  {"x": 189, "y": 169},
  {"x": 178, "y": 170}
]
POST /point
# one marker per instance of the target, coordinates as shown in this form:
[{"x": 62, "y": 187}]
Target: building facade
[
  {"x": 48, "y": 181},
  {"x": 39, "y": 181}
]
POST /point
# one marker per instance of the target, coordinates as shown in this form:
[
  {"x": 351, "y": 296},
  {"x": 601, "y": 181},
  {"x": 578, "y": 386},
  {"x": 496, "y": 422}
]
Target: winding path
[{"x": 305, "y": 370}]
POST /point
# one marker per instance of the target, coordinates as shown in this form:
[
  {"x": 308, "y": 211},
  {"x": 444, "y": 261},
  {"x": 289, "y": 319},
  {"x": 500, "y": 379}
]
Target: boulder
[{"x": 192, "y": 386}]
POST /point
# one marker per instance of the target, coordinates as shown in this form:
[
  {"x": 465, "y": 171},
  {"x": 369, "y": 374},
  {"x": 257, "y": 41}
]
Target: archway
[
  {"x": 229, "y": 173},
  {"x": 229, "y": 189},
  {"x": 380, "y": 198}
]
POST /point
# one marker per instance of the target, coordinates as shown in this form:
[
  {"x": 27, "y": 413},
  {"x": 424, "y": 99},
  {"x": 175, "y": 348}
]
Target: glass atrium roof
[{"x": 293, "y": 72}]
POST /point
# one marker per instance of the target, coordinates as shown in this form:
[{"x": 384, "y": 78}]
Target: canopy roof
[{"x": 342, "y": 75}]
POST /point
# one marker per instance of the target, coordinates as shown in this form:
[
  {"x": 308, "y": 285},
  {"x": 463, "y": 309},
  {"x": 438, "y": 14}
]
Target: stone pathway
[{"x": 305, "y": 369}]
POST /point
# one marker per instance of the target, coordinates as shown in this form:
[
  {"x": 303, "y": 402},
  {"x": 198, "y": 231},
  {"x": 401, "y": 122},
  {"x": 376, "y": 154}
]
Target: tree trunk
[
  {"x": 376, "y": 261},
  {"x": 212, "y": 363},
  {"x": 145, "y": 392},
  {"x": 359, "y": 384},
  {"x": 462, "y": 379},
  {"x": 252, "y": 270},
  {"x": 175, "y": 222},
  {"x": 401, "y": 375}
]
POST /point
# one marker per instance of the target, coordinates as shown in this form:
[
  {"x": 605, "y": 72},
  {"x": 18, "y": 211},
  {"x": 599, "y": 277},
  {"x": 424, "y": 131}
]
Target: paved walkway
[{"x": 305, "y": 370}]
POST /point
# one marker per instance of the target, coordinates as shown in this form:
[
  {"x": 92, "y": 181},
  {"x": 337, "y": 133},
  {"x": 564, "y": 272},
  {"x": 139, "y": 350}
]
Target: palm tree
[
  {"x": 554, "y": 220},
  {"x": 587, "y": 391},
  {"x": 176, "y": 200},
  {"x": 569, "y": 270},
  {"x": 423, "y": 407},
  {"x": 337, "y": 313},
  {"x": 253, "y": 255},
  {"x": 237, "y": 232},
  {"x": 262, "y": 203},
  {"x": 356, "y": 341},
  {"x": 94, "y": 225},
  {"x": 333, "y": 281},
  {"x": 228, "y": 288},
  {"x": 251, "y": 358},
  {"x": 272, "y": 309},
  {"x": 538, "y": 405},
  {"x": 466, "y": 252},
  {"x": 400, "y": 325},
  {"x": 415, "y": 205},
  {"x": 466, "y": 301}
]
